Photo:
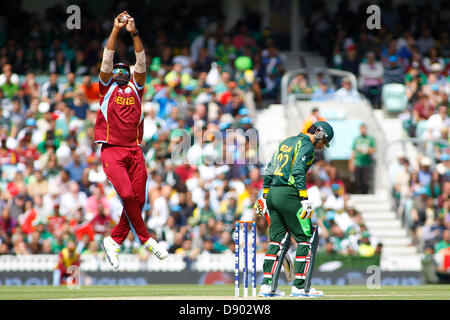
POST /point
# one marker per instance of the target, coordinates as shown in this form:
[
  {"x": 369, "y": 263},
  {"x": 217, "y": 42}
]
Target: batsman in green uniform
[{"x": 286, "y": 200}]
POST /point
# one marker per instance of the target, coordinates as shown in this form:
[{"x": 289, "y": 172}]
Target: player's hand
[
  {"x": 131, "y": 26},
  {"x": 119, "y": 24},
  {"x": 306, "y": 209},
  {"x": 260, "y": 206},
  {"x": 351, "y": 165}
]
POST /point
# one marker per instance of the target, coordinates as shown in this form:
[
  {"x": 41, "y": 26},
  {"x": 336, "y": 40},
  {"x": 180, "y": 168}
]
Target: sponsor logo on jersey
[{"x": 285, "y": 148}]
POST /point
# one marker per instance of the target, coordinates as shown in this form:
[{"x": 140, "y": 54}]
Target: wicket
[{"x": 246, "y": 225}]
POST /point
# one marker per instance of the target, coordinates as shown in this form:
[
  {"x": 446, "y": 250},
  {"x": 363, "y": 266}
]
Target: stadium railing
[{"x": 329, "y": 74}]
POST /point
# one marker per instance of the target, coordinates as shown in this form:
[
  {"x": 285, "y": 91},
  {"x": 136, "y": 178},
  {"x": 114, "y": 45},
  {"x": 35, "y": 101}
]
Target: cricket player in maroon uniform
[{"x": 119, "y": 128}]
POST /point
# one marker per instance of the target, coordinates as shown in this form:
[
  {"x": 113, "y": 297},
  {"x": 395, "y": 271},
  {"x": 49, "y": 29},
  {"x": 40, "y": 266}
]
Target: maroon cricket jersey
[{"x": 120, "y": 117}]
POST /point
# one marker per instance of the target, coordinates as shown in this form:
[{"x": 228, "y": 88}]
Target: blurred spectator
[
  {"x": 351, "y": 61},
  {"x": 423, "y": 108},
  {"x": 188, "y": 252},
  {"x": 424, "y": 174},
  {"x": 272, "y": 64},
  {"x": 441, "y": 249},
  {"x": 393, "y": 72},
  {"x": 30, "y": 87},
  {"x": 361, "y": 162},
  {"x": 160, "y": 212},
  {"x": 76, "y": 166},
  {"x": 425, "y": 41},
  {"x": 415, "y": 73},
  {"x": 432, "y": 59},
  {"x": 79, "y": 105},
  {"x": 71, "y": 200},
  {"x": 225, "y": 52},
  {"x": 323, "y": 92},
  {"x": 4, "y": 248},
  {"x": 313, "y": 117},
  {"x": 334, "y": 201},
  {"x": 101, "y": 221},
  {"x": 78, "y": 64},
  {"x": 185, "y": 60},
  {"x": 39, "y": 62},
  {"x": 204, "y": 40},
  {"x": 59, "y": 64},
  {"x": 208, "y": 247},
  {"x": 7, "y": 223},
  {"x": 299, "y": 85},
  {"x": 437, "y": 122},
  {"x": 94, "y": 201},
  {"x": 18, "y": 206},
  {"x": 7, "y": 73},
  {"x": 35, "y": 244},
  {"x": 51, "y": 88},
  {"x": 67, "y": 257},
  {"x": 346, "y": 93},
  {"x": 8, "y": 83},
  {"x": 365, "y": 248},
  {"x": 203, "y": 61},
  {"x": 371, "y": 79},
  {"x": 90, "y": 89},
  {"x": 70, "y": 87},
  {"x": 92, "y": 249}
]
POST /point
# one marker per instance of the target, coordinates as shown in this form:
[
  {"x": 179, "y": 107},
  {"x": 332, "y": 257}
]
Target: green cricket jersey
[
  {"x": 290, "y": 163},
  {"x": 361, "y": 145}
]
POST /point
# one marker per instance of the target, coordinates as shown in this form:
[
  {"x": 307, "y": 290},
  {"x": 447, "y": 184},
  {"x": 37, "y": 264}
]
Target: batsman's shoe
[
  {"x": 266, "y": 291},
  {"x": 154, "y": 247},
  {"x": 112, "y": 250},
  {"x": 296, "y": 292}
]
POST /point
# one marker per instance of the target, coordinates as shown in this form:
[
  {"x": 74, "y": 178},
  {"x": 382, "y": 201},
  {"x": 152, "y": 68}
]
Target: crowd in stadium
[
  {"x": 411, "y": 48},
  {"x": 53, "y": 186},
  {"x": 342, "y": 227}
]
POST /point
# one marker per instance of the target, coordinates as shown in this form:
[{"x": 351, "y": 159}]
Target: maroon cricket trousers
[{"x": 125, "y": 169}]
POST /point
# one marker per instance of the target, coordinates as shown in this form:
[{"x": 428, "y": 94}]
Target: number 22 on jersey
[{"x": 282, "y": 160}]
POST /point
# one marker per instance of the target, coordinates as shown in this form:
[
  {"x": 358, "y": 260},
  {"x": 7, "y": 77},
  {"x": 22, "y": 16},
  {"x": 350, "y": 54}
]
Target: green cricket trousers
[{"x": 283, "y": 204}]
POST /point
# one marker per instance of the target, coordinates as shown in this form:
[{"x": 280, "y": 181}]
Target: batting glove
[
  {"x": 306, "y": 209},
  {"x": 260, "y": 206}
]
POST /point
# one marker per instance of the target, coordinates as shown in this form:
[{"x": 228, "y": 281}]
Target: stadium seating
[
  {"x": 394, "y": 97},
  {"x": 421, "y": 128}
]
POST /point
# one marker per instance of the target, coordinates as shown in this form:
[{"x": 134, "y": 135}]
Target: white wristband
[
  {"x": 139, "y": 67},
  {"x": 107, "y": 61}
]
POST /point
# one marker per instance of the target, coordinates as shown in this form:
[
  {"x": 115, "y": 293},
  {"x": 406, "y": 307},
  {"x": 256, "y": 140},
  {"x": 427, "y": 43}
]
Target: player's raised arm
[
  {"x": 139, "y": 67},
  {"x": 108, "y": 53}
]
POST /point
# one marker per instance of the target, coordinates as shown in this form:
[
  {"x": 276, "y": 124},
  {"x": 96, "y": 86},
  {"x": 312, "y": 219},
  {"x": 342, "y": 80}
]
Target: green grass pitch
[{"x": 218, "y": 292}]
